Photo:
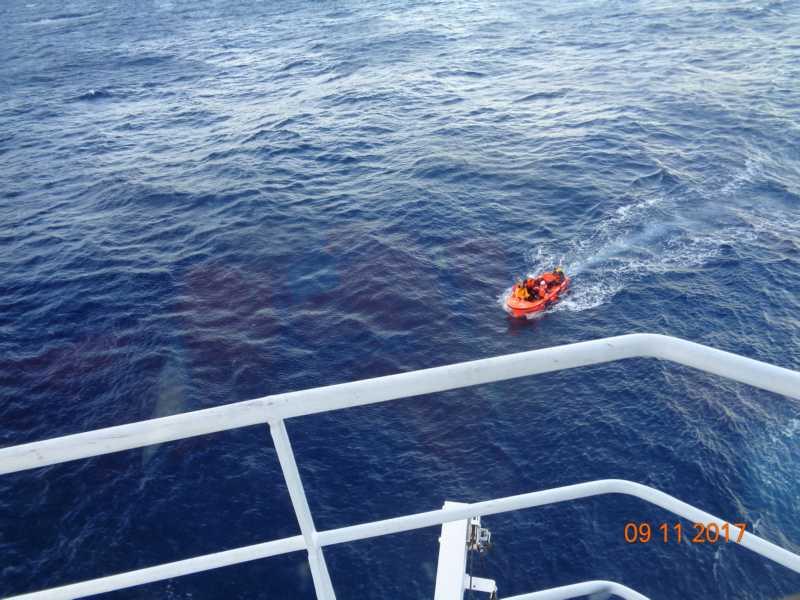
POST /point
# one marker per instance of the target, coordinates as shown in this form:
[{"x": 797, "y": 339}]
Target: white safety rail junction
[{"x": 273, "y": 410}]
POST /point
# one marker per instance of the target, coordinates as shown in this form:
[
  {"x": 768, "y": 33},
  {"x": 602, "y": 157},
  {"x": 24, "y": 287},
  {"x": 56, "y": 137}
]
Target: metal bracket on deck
[
  {"x": 480, "y": 584},
  {"x": 458, "y": 539}
]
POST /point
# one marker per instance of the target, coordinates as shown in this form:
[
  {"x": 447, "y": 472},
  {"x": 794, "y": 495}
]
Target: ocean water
[{"x": 205, "y": 202}]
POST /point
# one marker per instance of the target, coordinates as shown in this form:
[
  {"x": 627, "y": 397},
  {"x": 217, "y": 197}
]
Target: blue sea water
[{"x": 205, "y": 202}]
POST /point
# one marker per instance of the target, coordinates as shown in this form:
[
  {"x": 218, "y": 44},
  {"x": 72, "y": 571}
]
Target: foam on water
[{"x": 655, "y": 235}]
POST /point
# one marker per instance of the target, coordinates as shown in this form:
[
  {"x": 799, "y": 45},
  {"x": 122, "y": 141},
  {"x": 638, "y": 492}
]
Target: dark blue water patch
[
  {"x": 63, "y": 16},
  {"x": 296, "y": 64},
  {"x": 660, "y": 178},
  {"x": 460, "y": 73},
  {"x": 342, "y": 69},
  {"x": 545, "y": 95}
]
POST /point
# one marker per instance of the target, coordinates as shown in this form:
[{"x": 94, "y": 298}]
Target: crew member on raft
[
  {"x": 521, "y": 291},
  {"x": 530, "y": 285},
  {"x": 538, "y": 288},
  {"x": 556, "y": 277},
  {"x": 543, "y": 288}
]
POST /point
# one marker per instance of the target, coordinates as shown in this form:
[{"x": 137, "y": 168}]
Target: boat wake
[{"x": 660, "y": 232}]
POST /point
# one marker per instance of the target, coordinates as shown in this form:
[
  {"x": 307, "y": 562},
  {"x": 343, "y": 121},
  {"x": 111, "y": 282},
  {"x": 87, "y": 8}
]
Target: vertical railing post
[{"x": 316, "y": 560}]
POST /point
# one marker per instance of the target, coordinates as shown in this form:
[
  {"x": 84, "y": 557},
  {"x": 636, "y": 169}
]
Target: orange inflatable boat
[{"x": 522, "y": 308}]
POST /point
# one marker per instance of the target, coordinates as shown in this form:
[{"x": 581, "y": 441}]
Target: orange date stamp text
[{"x": 701, "y": 533}]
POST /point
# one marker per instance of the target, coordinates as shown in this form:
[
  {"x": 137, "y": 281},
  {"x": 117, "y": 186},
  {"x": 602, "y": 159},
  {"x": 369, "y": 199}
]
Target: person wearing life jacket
[
  {"x": 521, "y": 292},
  {"x": 542, "y": 291},
  {"x": 530, "y": 285}
]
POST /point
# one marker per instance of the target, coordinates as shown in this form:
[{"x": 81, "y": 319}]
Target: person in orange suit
[{"x": 542, "y": 288}]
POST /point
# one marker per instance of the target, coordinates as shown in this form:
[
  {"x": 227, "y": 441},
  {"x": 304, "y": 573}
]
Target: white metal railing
[
  {"x": 577, "y": 590},
  {"x": 274, "y": 409}
]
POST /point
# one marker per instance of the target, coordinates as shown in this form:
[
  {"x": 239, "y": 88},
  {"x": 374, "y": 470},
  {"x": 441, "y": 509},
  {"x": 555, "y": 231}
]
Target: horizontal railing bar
[
  {"x": 578, "y": 590},
  {"x": 362, "y": 531},
  {"x": 164, "y": 571},
  {"x": 392, "y": 387},
  {"x": 551, "y": 496}
]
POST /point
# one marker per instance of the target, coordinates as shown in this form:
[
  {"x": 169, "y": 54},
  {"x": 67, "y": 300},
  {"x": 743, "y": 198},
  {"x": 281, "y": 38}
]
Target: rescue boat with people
[{"x": 526, "y": 299}]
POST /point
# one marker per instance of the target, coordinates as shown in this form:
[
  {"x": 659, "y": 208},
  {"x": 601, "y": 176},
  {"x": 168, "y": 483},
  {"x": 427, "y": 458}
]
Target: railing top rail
[{"x": 391, "y": 387}]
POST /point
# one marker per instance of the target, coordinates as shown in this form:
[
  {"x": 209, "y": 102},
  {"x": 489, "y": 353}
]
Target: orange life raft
[{"x": 521, "y": 308}]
